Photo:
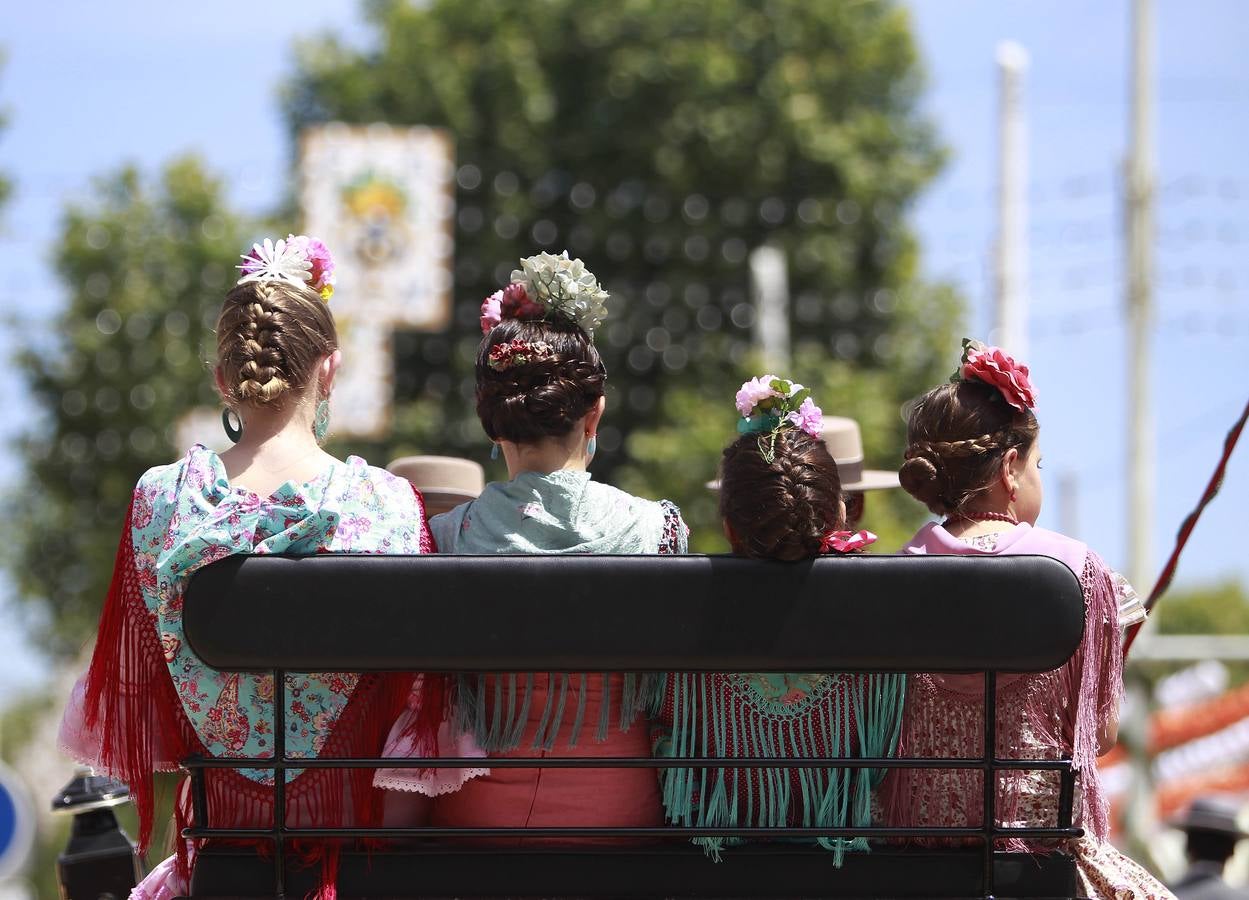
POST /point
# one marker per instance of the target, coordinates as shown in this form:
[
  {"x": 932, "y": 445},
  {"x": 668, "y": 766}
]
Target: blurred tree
[
  {"x": 662, "y": 142},
  {"x": 1219, "y": 608},
  {"x": 6, "y": 186},
  {"x": 145, "y": 267}
]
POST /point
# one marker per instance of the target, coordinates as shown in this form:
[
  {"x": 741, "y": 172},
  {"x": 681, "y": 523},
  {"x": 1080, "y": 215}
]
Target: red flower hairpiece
[
  {"x": 995, "y": 367},
  {"x": 518, "y": 353},
  {"x": 845, "y": 541}
]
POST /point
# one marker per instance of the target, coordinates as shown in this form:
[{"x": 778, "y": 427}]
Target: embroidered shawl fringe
[{"x": 859, "y": 716}]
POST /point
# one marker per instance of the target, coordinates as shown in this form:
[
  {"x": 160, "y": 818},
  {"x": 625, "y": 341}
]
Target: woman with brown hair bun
[
  {"x": 148, "y": 701},
  {"x": 780, "y": 499},
  {"x": 973, "y": 457},
  {"x": 540, "y": 400}
]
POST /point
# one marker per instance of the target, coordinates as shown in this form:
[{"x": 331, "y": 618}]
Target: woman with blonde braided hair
[
  {"x": 148, "y": 701},
  {"x": 973, "y": 458},
  {"x": 540, "y": 384}
]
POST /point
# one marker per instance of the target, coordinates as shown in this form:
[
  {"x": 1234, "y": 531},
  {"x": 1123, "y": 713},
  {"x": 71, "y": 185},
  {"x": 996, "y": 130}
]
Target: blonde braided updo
[{"x": 270, "y": 337}]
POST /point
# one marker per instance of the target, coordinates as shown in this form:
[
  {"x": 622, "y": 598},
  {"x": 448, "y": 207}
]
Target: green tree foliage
[
  {"x": 1219, "y": 608},
  {"x": 662, "y": 142},
  {"x": 145, "y": 267}
]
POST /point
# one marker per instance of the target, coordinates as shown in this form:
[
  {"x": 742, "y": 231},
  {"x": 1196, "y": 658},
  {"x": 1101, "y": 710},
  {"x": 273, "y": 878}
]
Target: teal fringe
[
  {"x": 703, "y": 725},
  {"x": 495, "y": 708}
]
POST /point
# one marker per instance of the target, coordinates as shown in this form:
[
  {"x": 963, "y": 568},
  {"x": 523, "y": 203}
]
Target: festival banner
[{"x": 383, "y": 200}]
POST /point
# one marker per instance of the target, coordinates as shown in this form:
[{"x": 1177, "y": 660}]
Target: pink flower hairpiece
[
  {"x": 299, "y": 259},
  {"x": 769, "y": 404},
  {"x": 845, "y": 541},
  {"x": 995, "y": 367},
  {"x": 518, "y": 353}
]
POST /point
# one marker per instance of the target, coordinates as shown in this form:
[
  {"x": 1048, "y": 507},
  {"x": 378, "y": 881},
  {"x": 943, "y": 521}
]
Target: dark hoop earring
[{"x": 234, "y": 430}]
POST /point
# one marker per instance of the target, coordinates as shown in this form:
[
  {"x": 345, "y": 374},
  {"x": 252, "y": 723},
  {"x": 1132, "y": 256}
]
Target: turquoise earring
[
  {"x": 494, "y": 450},
  {"x": 591, "y": 447},
  {"x": 232, "y": 422},
  {"x": 321, "y": 422}
]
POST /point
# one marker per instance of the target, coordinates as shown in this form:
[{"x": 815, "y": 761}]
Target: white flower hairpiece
[
  {"x": 565, "y": 286},
  {"x": 298, "y": 260}
]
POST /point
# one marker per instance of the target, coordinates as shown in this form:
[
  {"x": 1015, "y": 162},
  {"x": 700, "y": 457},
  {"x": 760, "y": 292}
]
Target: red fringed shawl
[{"x": 131, "y": 705}]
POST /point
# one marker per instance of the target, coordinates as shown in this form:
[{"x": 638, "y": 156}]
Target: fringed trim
[
  {"x": 495, "y": 709},
  {"x": 710, "y": 715}
]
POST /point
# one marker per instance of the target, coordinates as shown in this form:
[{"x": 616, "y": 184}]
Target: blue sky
[{"x": 97, "y": 85}]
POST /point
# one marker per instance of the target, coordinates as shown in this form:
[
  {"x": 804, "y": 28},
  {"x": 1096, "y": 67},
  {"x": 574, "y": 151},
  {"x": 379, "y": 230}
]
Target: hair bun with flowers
[
  {"x": 547, "y": 285},
  {"x": 769, "y": 404},
  {"x": 995, "y": 367},
  {"x": 299, "y": 260}
]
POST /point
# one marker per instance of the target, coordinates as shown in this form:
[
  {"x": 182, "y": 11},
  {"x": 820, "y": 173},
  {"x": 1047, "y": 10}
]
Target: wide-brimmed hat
[
  {"x": 442, "y": 479},
  {"x": 845, "y": 445},
  {"x": 1215, "y": 814}
]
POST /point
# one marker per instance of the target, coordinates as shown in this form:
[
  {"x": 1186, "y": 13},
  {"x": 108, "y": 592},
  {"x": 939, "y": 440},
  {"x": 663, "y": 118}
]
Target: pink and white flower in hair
[
  {"x": 491, "y": 311},
  {"x": 768, "y": 403},
  {"x": 808, "y": 417},
  {"x": 513, "y": 302},
  {"x": 299, "y": 259},
  {"x": 753, "y": 392},
  {"x": 996, "y": 367}
]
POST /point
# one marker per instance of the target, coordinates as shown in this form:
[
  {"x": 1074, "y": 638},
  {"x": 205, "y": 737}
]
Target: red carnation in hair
[
  {"x": 516, "y": 304},
  {"x": 995, "y": 367}
]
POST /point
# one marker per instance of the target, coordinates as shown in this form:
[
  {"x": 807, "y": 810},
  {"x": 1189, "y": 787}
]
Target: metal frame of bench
[{"x": 495, "y": 614}]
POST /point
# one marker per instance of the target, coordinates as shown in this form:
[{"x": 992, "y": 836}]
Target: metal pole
[
  {"x": 769, "y": 278},
  {"x": 1011, "y": 249}
]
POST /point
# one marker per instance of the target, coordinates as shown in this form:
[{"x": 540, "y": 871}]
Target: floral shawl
[{"x": 148, "y": 699}]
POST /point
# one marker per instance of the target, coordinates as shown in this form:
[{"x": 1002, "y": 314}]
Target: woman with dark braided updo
[
  {"x": 148, "y": 701},
  {"x": 973, "y": 457},
  {"x": 780, "y": 499},
  {"x": 540, "y": 400}
]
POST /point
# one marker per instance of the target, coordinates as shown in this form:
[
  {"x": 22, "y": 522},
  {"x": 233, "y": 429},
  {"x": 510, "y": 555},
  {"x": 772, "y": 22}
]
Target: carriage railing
[{"x": 995, "y": 616}]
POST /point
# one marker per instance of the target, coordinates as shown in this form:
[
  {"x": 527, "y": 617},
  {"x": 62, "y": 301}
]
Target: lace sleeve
[
  {"x": 1131, "y": 607},
  {"x": 676, "y": 534}
]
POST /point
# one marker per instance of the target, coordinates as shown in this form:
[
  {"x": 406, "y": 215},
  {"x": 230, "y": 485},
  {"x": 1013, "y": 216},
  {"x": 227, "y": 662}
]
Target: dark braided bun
[
  {"x": 270, "y": 337},
  {"x": 543, "y": 398},
  {"x": 782, "y": 509},
  {"x": 957, "y": 436}
]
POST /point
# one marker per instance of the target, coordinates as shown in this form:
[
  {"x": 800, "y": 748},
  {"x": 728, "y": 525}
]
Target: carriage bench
[{"x": 870, "y": 613}]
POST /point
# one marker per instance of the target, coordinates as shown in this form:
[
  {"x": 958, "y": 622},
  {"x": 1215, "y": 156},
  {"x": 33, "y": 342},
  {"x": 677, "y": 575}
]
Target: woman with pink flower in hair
[
  {"x": 780, "y": 499},
  {"x": 540, "y": 399},
  {"x": 148, "y": 701},
  {"x": 973, "y": 458}
]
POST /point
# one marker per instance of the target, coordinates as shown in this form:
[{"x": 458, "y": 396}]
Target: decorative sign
[
  {"x": 383, "y": 201},
  {"x": 17, "y": 823}
]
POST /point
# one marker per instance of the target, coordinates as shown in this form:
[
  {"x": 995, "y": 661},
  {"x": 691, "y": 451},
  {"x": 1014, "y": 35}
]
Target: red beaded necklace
[{"x": 985, "y": 517}]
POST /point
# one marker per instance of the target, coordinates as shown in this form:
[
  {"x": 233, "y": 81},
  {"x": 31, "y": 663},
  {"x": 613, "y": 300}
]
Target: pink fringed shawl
[{"x": 1048, "y": 715}]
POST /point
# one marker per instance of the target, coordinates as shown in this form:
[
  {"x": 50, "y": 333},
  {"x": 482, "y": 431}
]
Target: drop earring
[
  {"x": 232, "y": 422},
  {"x": 494, "y": 450},
  {"x": 321, "y": 422},
  {"x": 591, "y": 447}
]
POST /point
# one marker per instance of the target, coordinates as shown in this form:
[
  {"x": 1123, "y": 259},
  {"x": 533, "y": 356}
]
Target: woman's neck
[
  {"x": 276, "y": 446},
  {"x": 550, "y": 455}
]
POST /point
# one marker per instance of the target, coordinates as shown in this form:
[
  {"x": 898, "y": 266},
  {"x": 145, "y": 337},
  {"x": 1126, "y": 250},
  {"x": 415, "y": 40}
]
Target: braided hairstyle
[
  {"x": 782, "y": 509},
  {"x": 270, "y": 337},
  {"x": 957, "y": 436},
  {"x": 543, "y": 398}
]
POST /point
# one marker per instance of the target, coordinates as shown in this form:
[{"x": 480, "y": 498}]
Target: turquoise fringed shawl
[
  {"x": 778, "y": 716},
  {"x": 559, "y": 512}
]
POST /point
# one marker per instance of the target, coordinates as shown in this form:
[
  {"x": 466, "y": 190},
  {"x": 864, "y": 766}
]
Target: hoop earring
[
  {"x": 234, "y": 429},
  {"x": 494, "y": 450},
  {"x": 321, "y": 422},
  {"x": 591, "y": 447}
]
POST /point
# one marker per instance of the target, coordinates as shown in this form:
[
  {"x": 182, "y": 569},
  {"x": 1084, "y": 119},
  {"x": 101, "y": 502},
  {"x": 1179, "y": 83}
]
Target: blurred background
[{"x": 837, "y": 191}]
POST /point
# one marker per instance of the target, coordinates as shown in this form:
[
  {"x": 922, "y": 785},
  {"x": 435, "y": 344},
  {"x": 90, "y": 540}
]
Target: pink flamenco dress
[
  {"x": 147, "y": 701},
  {"x": 1042, "y": 716},
  {"x": 544, "y": 714}
]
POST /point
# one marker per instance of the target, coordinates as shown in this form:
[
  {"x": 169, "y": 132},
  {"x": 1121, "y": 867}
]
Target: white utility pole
[
  {"x": 1010, "y": 319},
  {"x": 1140, "y": 818},
  {"x": 769, "y": 279},
  {"x": 1139, "y": 193}
]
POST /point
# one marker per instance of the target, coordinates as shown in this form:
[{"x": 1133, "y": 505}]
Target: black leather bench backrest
[{"x": 634, "y": 613}]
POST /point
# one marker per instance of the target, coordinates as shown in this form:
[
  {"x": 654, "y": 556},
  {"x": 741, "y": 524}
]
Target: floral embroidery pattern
[{"x": 187, "y": 515}]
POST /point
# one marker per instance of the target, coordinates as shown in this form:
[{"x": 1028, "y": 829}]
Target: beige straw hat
[
  {"x": 845, "y": 445},
  {"x": 446, "y": 481}
]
